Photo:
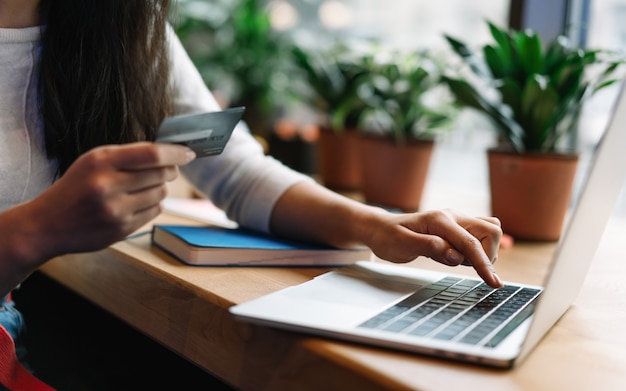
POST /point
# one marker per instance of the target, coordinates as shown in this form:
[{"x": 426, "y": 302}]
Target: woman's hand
[
  {"x": 108, "y": 193},
  {"x": 446, "y": 236},
  {"x": 312, "y": 212}
]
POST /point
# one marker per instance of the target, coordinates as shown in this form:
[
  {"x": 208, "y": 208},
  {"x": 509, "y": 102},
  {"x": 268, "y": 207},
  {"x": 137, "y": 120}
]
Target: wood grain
[{"x": 186, "y": 309}]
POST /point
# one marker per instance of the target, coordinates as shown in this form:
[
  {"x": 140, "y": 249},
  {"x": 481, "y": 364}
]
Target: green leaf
[
  {"x": 467, "y": 55},
  {"x": 539, "y": 105},
  {"x": 529, "y": 49},
  {"x": 498, "y": 67},
  {"x": 511, "y": 94},
  {"x": 466, "y": 95},
  {"x": 568, "y": 79},
  {"x": 504, "y": 49},
  {"x": 459, "y": 47}
]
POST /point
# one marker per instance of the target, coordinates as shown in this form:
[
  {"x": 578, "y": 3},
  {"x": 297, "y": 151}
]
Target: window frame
[{"x": 540, "y": 16}]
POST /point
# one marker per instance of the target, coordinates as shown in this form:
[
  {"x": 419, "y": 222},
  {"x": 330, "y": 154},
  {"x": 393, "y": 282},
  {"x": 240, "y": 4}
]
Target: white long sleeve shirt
[{"x": 242, "y": 180}]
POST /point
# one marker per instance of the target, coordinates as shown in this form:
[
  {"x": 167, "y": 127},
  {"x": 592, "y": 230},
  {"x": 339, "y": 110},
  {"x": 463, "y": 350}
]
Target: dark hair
[{"x": 103, "y": 74}]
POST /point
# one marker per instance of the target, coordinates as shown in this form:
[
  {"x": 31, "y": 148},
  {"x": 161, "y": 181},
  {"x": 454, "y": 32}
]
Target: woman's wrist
[
  {"x": 23, "y": 239},
  {"x": 363, "y": 222}
]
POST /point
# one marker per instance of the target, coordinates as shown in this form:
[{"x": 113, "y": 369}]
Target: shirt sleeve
[{"x": 242, "y": 180}]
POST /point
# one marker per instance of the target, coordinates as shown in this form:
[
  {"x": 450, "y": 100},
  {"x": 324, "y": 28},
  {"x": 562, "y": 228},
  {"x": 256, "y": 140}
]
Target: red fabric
[{"x": 13, "y": 375}]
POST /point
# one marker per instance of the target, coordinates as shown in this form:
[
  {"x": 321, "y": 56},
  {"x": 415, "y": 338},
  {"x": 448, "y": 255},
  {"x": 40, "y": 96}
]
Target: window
[
  {"x": 402, "y": 24},
  {"x": 606, "y": 30}
]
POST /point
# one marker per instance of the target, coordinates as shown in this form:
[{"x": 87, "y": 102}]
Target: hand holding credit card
[{"x": 206, "y": 133}]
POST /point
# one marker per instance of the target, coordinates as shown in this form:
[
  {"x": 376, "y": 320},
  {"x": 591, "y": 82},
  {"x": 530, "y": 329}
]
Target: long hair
[{"x": 103, "y": 74}]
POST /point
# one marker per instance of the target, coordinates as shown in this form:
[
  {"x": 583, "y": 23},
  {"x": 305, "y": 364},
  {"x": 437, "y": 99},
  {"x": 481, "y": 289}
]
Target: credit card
[{"x": 206, "y": 133}]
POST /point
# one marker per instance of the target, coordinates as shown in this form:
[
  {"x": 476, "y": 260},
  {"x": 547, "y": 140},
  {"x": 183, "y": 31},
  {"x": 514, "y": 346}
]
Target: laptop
[{"x": 452, "y": 316}]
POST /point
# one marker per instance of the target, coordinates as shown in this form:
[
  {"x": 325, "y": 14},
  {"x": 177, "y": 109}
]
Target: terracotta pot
[
  {"x": 394, "y": 175},
  {"x": 338, "y": 161},
  {"x": 531, "y": 193}
]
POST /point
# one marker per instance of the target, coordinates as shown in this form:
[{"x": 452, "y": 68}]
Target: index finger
[
  {"x": 472, "y": 249},
  {"x": 144, "y": 155}
]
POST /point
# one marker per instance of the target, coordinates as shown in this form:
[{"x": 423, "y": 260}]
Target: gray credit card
[{"x": 206, "y": 133}]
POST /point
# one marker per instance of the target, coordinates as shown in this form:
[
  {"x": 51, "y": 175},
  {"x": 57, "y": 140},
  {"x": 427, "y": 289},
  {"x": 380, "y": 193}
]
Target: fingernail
[
  {"x": 498, "y": 280},
  {"x": 190, "y": 155}
]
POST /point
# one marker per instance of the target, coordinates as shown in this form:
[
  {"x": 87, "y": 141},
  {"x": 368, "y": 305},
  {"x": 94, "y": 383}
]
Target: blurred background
[{"x": 242, "y": 48}]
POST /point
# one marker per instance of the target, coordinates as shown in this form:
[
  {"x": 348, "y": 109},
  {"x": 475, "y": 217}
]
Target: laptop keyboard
[{"x": 455, "y": 309}]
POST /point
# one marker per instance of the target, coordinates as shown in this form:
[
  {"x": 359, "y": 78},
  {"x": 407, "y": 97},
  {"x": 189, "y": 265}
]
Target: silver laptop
[{"x": 451, "y": 316}]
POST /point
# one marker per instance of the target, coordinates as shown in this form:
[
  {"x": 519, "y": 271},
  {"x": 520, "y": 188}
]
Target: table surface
[{"x": 186, "y": 309}]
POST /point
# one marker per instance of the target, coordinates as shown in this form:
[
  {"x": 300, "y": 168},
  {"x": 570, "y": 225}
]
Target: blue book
[{"x": 218, "y": 246}]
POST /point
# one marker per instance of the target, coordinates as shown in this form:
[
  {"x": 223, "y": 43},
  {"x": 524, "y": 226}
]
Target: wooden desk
[{"x": 185, "y": 308}]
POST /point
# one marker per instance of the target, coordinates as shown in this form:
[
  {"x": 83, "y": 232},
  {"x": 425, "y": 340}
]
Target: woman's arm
[{"x": 310, "y": 211}]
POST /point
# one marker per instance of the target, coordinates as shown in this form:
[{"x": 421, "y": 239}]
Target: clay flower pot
[
  {"x": 393, "y": 175},
  {"x": 338, "y": 161},
  {"x": 531, "y": 193}
]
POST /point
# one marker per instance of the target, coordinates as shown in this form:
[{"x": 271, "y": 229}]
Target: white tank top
[{"x": 24, "y": 169}]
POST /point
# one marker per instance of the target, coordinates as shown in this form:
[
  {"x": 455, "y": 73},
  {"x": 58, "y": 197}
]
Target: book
[{"x": 221, "y": 246}]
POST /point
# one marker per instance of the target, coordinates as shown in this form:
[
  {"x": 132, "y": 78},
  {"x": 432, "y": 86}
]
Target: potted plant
[
  {"x": 533, "y": 94},
  {"x": 332, "y": 77},
  {"x": 240, "y": 57},
  {"x": 405, "y": 110}
]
